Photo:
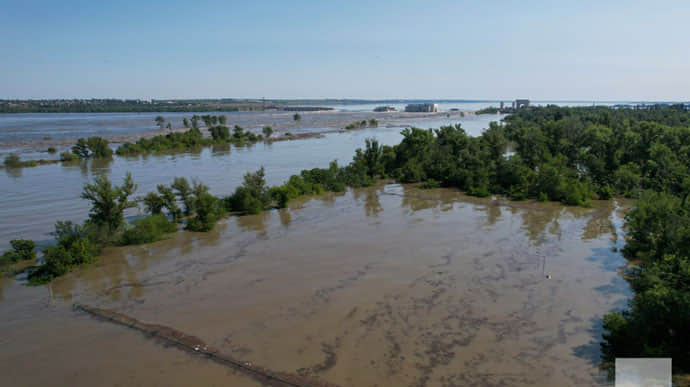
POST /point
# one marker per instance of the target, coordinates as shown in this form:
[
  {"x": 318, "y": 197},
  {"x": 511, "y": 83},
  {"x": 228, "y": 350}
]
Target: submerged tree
[
  {"x": 160, "y": 121},
  {"x": 184, "y": 193},
  {"x": 109, "y": 202},
  {"x": 268, "y": 131}
]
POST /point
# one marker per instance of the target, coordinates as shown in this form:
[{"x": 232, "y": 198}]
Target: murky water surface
[
  {"x": 32, "y": 199},
  {"x": 387, "y": 286}
]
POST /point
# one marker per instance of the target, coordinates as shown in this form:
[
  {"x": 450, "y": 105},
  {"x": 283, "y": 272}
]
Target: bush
[
  {"x": 22, "y": 250},
  {"x": 51, "y": 150},
  {"x": 430, "y": 184},
  {"x": 147, "y": 230},
  {"x": 13, "y": 161},
  {"x": 74, "y": 248},
  {"x": 220, "y": 133},
  {"x": 243, "y": 201},
  {"x": 576, "y": 194},
  {"x": 268, "y": 131},
  {"x": 251, "y": 197},
  {"x": 606, "y": 192},
  {"x": 96, "y": 147},
  {"x": 67, "y": 156},
  {"x": 208, "y": 210}
]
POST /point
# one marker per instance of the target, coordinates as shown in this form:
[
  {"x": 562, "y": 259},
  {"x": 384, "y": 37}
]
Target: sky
[{"x": 544, "y": 50}]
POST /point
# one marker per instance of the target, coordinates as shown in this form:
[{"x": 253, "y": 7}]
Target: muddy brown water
[{"x": 384, "y": 286}]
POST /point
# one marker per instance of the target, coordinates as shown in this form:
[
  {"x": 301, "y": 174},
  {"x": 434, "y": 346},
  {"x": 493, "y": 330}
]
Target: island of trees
[{"x": 570, "y": 155}]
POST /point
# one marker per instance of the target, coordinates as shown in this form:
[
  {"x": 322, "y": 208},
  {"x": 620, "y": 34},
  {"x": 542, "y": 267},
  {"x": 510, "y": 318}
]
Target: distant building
[
  {"x": 520, "y": 103},
  {"x": 384, "y": 109},
  {"x": 421, "y": 108},
  {"x": 517, "y": 104}
]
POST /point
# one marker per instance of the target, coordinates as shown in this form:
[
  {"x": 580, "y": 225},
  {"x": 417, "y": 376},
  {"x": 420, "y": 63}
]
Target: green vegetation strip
[{"x": 195, "y": 345}]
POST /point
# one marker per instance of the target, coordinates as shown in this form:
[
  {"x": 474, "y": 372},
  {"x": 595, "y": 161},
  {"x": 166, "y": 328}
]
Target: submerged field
[{"x": 387, "y": 285}]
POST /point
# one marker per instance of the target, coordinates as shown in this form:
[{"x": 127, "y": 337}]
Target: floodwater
[
  {"x": 29, "y": 134},
  {"x": 32, "y": 199},
  {"x": 383, "y": 286}
]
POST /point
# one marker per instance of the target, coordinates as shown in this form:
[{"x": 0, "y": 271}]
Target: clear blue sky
[{"x": 585, "y": 50}]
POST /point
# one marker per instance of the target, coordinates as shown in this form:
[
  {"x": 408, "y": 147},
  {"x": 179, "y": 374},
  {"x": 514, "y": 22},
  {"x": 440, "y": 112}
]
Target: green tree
[
  {"x": 296, "y": 117},
  {"x": 153, "y": 203},
  {"x": 81, "y": 149},
  {"x": 184, "y": 193},
  {"x": 268, "y": 131},
  {"x": 13, "y": 161},
  {"x": 109, "y": 202},
  {"x": 160, "y": 121},
  {"x": 22, "y": 250},
  {"x": 169, "y": 201},
  {"x": 208, "y": 209}
]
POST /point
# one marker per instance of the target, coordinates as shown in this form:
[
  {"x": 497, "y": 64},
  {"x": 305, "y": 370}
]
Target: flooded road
[{"x": 384, "y": 286}]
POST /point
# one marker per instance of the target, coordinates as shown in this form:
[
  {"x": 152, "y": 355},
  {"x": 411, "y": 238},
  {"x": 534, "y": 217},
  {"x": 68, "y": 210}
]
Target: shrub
[
  {"x": 430, "y": 184},
  {"x": 51, "y": 150},
  {"x": 244, "y": 202},
  {"x": 92, "y": 147},
  {"x": 73, "y": 248},
  {"x": 575, "y": 194},
  {"x": 13, "y": 161},
  {"x": 208, "y": 209},
  {"x": 67, "y": 156},
  {"x": 22, "y": 250},
  {"x": 148, "y": 229},
  {"x": 268, "y": 131},
  {"x": 220, "y": 133}
]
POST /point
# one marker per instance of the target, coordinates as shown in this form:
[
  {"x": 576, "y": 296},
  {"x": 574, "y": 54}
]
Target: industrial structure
[
  {"x": 517, "y": 104},
  {"x": 422, "y": 108}
]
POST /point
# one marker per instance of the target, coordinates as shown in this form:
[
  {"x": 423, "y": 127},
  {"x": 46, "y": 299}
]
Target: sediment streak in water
[{"x": 195, "y": 345}]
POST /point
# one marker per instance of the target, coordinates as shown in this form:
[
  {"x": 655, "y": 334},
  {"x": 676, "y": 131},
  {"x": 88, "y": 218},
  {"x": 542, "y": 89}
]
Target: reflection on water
[
  {"x": 395, "y": 284},
  {"x": 32, "y": 199}
]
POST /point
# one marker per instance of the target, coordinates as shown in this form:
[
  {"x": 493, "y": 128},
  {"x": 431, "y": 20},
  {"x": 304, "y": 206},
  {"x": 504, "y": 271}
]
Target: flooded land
[
  {"x": 32, "y": 199},
  {"x": 390, "y": 285},
  {"x": 384, "y": 286},
  {"x": 30, "y": 133}
]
